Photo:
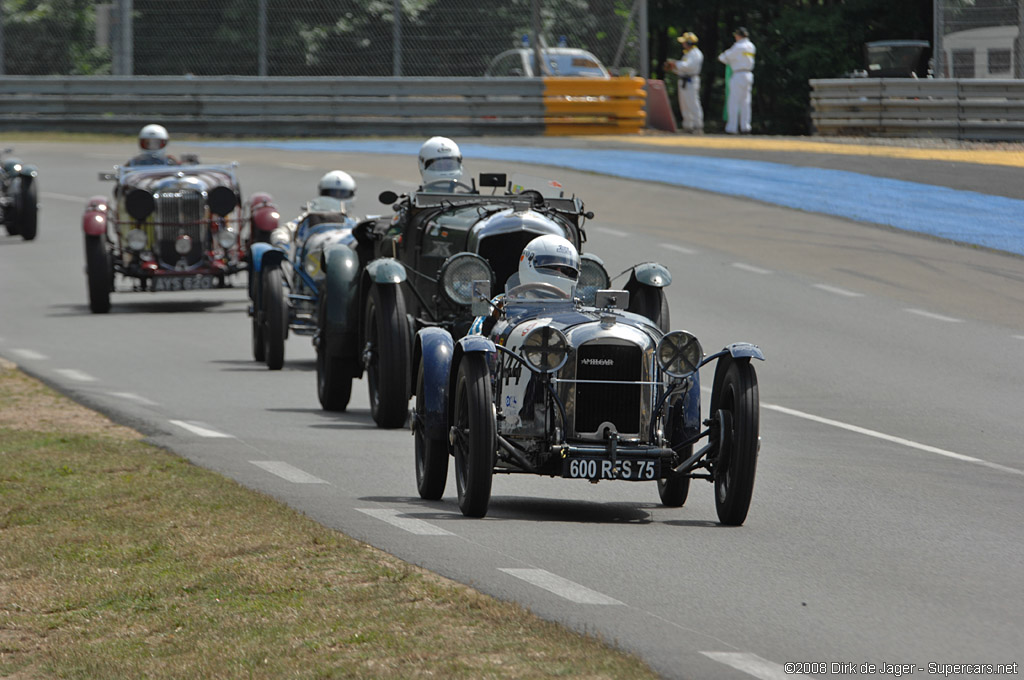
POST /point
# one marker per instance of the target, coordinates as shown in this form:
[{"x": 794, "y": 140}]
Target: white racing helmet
[
  {"x": 153, "y": 137},
  {"x": 550, "y": 259},
  {"x": 440, "y": 158},
  {"x": 337, "y": 184}
]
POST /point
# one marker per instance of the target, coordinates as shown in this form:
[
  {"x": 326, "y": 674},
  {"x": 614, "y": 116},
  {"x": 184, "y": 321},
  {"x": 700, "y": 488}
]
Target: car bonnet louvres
[
  {"x": 618, "y": 402},
  {"x": 180, "y": 213}
]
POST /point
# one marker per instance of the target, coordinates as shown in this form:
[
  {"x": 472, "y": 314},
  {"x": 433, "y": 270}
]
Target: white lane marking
[
  {"x": 200, "y": 429},
  {"x": 934, "y": 316},
  {"x": 1019, "y": 337},
  {"x": 288, "y": 472},
  {"x": 679, "y": 249},
  {"x": 406, "y": 183},
  {"x": 612, "y": 232},
  {"x": 75, "y": 374},
  {"x": 29, "y": 354},
  {"x": 63, "y": 197},
  {"x": 410, "y": 524},
  {"x": 296, "y": 166},
  {"x": 570, "y": 590},
  {"x": 751, "y": 664},
  {"x": 750, "y": 268},
  {"x": 837, "y": 291},
  {"x": 131, "y": 396},
  {"x": 892, "y": 439}
]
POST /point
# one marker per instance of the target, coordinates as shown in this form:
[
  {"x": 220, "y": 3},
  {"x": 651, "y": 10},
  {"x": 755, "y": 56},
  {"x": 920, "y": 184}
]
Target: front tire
[
  {"x": 431, "y": 454},
  {"x": 739, "y": 411},
  {"x": 99, "y": 274},
  {"x": 475, "y": 438},
  {"x": 333, "y": 373},
  {"x": 27, "y": 209},
  {"x": 387, "y": 356},
  {"x": 275, "y": 315},
  {"x": 651, "y": 302},
  {"x": 674, "y": 490}
]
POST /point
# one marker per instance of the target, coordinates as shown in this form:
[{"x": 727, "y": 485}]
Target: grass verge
[{"x": 121, "y": 560}]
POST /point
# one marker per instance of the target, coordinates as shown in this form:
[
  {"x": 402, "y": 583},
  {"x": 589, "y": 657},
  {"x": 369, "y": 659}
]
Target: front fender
[
  {"x": 264, "y": 253},
  {"x": 433, "y": 350},
  {"x": 652, "y": 274},
  {"x": 386, "y": 270},
  {"x": 464, "y": 345},
  {"x": 28, "y": 171},
  {"x": 738, "y": 351},
  {"x": 94, "y": 220},
  {"x": 341, "y": 281}
]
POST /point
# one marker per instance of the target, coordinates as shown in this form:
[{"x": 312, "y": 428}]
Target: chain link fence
[
  {"x": 308, "y": 37},
  {"x": 979, "y": 39}
]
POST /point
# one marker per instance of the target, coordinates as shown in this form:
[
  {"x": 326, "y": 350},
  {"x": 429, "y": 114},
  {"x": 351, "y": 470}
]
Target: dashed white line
[
  {"x": 288, "y": 472},
  {"x": 837, "y": 291},
  {"x": 63, "y": 197},
  {"x": 750, "y": 268},
  {"x": 1019, "y": 337},
  {"x": 612, "y": 232},
  {"x": 200, "y": 429},
  {"x": 30, "y": 354},
  {"x": 933, "y": 316},
  {"x": 410, "y": 524},
  {"x": 679, "y": 249},
  {"x": 892, "y": 439},
  {"x": 751, "y": 664},
  {"x": 75, "y": 374},
  {"x": 131, "y": 396},
  {"x": 570, "y": 590}
]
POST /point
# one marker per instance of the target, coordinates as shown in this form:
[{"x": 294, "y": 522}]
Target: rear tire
[
  {"x": 99, "y": 274},
  {"x": 387, "y": 345},
  {"x": 275, "y": 315},
  {"x": 739, "y": 409},
  {"x": 431, "y": 454},
  {"x": 475, "y": 436}
]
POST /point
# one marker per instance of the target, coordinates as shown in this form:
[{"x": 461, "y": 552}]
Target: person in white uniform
[
  {"x": 740, "y": 58},
  {"x": 688, "y": 69}
]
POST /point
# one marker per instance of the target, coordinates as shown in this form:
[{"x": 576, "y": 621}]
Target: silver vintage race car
[{"x": 562, "y": 389}]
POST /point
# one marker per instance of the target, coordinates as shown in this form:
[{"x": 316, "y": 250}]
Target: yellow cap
[{"x": 688, "y": 37}]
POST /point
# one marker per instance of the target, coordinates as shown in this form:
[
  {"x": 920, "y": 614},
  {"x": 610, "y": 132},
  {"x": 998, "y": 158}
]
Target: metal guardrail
[
  {"x": 324, "y": 106},
  {"x": 970, "y": 109}
]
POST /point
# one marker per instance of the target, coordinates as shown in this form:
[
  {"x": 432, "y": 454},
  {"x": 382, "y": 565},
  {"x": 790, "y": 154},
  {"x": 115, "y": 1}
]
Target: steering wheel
[
  {"x": 450, "y": 186},
  {"x": 536, "y": 197},
  {"x": 544, "y": 290}
]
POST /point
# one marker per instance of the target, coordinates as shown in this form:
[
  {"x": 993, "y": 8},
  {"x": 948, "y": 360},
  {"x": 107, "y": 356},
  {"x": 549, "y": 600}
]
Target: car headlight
[
  {"x": 545, "y": 349},
  {"x": 227, "y": 237},
  {"x": 458, "y": 274},
  {"x": 593, "y": 277},
  {"x": 137, "y": 239},
  {"x": 183, "y": 246},
  {"x": 679, "y": 353}
]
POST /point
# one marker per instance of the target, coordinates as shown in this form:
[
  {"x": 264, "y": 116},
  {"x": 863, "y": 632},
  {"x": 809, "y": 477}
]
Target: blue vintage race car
[
  {"x": 287, "y": 276},
  {"x": 564, "y": 389}
]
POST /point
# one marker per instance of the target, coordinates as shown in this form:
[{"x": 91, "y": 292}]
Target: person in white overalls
[
  {"x": 688, "y": 69},
  {"x": 739, "y": 58}
]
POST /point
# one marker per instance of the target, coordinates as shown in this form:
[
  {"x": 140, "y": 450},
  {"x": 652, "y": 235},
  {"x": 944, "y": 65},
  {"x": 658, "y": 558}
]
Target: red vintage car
[{"x": 171, "y": 227}]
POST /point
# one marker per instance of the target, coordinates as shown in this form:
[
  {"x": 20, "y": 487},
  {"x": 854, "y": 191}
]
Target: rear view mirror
[{"x": 492, "y": 179}]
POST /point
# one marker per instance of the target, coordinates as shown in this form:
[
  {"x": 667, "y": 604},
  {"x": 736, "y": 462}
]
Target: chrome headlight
[
  {"x": 679, "y": 354},
  {"x": 183, "y": 246},
  {"x": 137, "y": 239},
  {"x": 593, "y": 277},
  {"x": 545, "y": 349},
  {"x": 227, "y": 237},
  {"x": 458, "y": 274}
]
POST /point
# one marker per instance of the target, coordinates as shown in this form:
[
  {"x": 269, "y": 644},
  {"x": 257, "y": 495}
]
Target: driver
[
  {"x": 441, "y": 163},
  {"x": 548, "y": 259},
  {"x": 337, "y": 184},
  {"x": 153, "y": 140}
]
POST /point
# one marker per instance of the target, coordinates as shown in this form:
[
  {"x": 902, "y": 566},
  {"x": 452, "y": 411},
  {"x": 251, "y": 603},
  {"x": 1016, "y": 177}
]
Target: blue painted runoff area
[{"x": 965, "y": 216}]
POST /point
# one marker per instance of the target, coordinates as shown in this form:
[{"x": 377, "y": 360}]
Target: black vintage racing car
[
  {"x": 19, "y": 200},
  {"x": 563, "y": 389},
  {"x": 409, "y": 272}
]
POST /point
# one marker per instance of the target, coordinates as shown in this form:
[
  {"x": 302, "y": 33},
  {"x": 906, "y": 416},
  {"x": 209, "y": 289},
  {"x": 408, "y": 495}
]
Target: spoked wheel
[
  {"x": 651, "y": 302},
  {"x": 431, "y": 454},
  {"x": 333, "y": 373},
  {"x": 275, "y": 315},
  {"x": 27, "y": 209},
  {"x": 673, "y": 491},
  {"x": 738, "y": 412},
  {"x": 98, "y": 273},
  {"x": 386, "y": 356},
  {"x": 474, "y": 435}
]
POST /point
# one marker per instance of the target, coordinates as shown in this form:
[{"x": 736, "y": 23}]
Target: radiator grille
[
  {"x": 616, "y": 403},
  {"x": 179, "y": 212}
]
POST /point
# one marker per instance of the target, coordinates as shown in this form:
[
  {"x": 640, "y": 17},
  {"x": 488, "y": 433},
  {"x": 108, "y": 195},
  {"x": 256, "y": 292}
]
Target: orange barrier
[{"x": 594, "y": 106}]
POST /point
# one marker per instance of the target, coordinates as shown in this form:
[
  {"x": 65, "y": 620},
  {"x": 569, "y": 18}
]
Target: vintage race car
[
  {"x": 19, "y": 202},
  {"x": 170, "y": 227},
  {"x": 563, "y": 389},
  {"x": 287, "y": 276},
  {"x": 409, "y": 272}
]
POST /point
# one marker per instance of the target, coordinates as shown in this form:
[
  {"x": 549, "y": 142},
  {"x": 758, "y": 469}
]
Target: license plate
[
  {"x": 197, "y": 282},
  {"x": 632, "y": 469}
]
